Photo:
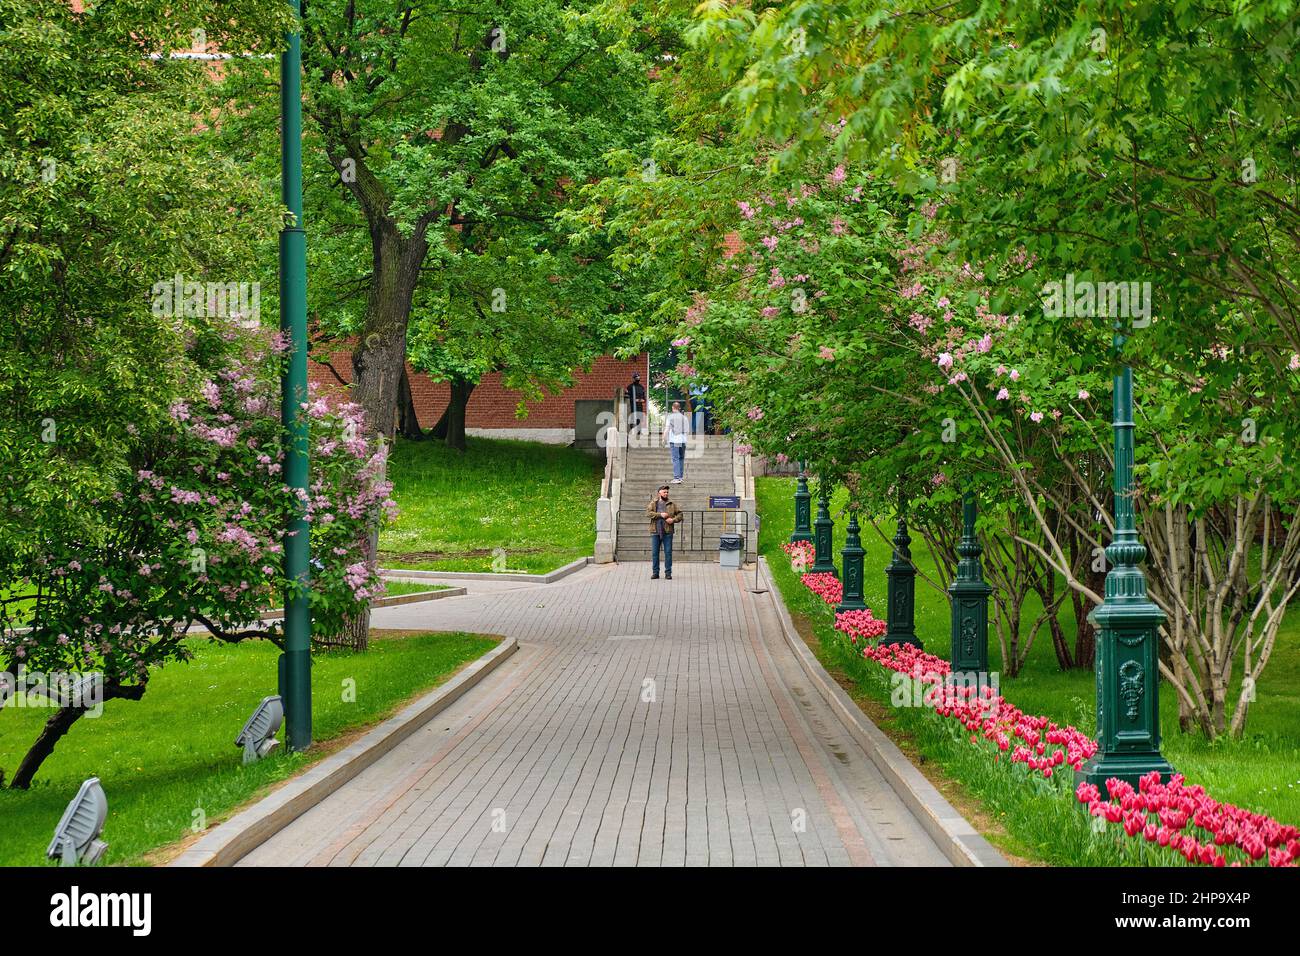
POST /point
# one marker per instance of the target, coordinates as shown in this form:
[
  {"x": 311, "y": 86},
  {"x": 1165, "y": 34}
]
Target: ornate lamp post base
[
  {"x": 852, "y": 555},
  {"x": 823, "y": 558},
  {"x": 1128, "y": 697},
  {"x": 1102, "y": 767},
  {"x": 970, "y": 601},
  {"x": 901, "y": 620},
  {"x": 802, "y": 511}
]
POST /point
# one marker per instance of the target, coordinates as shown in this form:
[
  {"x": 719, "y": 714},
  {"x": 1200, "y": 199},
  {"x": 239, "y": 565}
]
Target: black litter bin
[{"x": 729, "y": 548}]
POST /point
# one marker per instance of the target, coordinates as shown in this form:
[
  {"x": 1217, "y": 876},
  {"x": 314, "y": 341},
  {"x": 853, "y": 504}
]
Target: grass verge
[
  {"x": 499, "y": 506},
  {"x": 168, "y": 761}
]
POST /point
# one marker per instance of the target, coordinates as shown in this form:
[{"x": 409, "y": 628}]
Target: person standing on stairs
[
  {"x": 663, "y": 514},
  {"x": 675, "y": 433},
  {"x": 636, "y": 404}
]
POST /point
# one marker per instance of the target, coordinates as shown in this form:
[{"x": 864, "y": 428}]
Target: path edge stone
[
  {"x": 235, "y": 838},
  {"x": 547, "y": 578},
  {"x": 960, "y": 842}
]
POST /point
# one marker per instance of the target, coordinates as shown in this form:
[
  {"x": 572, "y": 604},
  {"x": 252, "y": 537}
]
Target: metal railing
[{"x": 696, "y": 530}]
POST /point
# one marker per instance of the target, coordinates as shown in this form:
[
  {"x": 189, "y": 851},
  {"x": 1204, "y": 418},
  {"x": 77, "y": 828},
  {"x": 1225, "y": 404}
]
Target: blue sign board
[{"x": 724, "y": 501}]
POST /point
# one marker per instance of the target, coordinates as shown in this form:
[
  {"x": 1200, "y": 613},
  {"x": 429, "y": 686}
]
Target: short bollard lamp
[
  {"x": 802, "y": 510},
  {"x": 970, "y": 600},
  {"x": 852, "y": 554},
  {"x": 901, "y": 623},
  {"x": 823, "y": 559}
]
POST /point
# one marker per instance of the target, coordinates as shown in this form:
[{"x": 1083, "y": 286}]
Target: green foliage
[
  {"x": 441, "y": 146},
  {"x": 106, "y": 187}
]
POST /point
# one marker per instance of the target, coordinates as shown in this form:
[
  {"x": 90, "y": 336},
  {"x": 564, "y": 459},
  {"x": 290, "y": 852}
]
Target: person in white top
[{"x": 675, "y": 432}]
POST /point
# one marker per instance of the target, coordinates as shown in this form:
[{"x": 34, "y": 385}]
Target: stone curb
[
  {"x": 960, "y": 842},
  {"x": 230, "y": 841},
  {"x": 418, "y": 596},
  {"x": 381, "y": 602},
  {"x": 488, "y": 575}
]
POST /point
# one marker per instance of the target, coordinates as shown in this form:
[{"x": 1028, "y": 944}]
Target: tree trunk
[
  {"x": 51, "y": 734},
  {"x": 408, "y": 424},
  {"x": 355, "y": 634},
  {"x": 1085, "y": 635},
  {"x": 379, "y": 361},
  {"x": 461, "y": 389}
]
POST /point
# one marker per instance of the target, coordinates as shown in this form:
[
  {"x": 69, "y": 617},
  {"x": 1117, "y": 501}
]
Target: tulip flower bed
[
  {"x": 1158, "y": 825},
  {"x": 1036, "y": 742},
  {"x": 1172, "y": 815},
  {"x": 825, "y": 585},
  {"x": 801, "y": 554}
]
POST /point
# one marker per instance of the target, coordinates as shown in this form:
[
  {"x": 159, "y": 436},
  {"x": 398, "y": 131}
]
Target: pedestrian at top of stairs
[{"x": 675, "y": 433}]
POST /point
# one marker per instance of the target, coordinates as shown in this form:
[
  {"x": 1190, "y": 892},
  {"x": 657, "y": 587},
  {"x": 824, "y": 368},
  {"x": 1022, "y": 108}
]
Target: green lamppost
[
  {"x": 295, "y": 662},
  {"x": 1128, "y": 676},
  {"x": 970, "y": 600},
  {"x": 901, "y": 624},
  {"x": 852, "y": 557},
  {"x": 802, "y": 509},
  {"x": 823, "y": 559}
]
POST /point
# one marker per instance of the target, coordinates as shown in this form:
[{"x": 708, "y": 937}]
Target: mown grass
[
  {"x": 1260, "y": 772},
  {"x": 396, "y": 588},
  {"x": 168, "y": 761},
  {"x": 499, "y": 506}
]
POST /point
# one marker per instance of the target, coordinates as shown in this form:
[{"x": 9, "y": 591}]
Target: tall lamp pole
[
  {"x": 1128, "y": 658},
  {"x": 295, "y": 662}
]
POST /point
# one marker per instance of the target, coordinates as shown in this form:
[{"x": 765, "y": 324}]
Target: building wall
[{"x": 492, "y": 406}]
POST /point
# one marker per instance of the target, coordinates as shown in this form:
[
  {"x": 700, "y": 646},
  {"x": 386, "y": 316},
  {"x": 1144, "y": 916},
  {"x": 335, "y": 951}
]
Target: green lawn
[
  {"x": 499, "y": 506},
  {"x": 395, "y": 588},
  {"x": 170, "y": 757},
  {"x": 1260, "y": 772}
]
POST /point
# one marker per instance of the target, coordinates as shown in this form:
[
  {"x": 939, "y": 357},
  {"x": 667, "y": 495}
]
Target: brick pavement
[{"x": 641, "y": 723}]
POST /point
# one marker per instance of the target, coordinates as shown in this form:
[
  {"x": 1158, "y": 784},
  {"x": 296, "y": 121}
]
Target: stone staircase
[{"x": 710, "y": 470}]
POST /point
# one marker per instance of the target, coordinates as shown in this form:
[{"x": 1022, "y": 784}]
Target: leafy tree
[
  {"x": 139, "y": 430},
  {"x": 448, "y": 140}
]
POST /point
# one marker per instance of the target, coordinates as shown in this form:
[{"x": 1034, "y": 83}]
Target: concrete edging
[
  {"x": 234, "y": 839},
  {"x": 488, "y": 575},
  {"x": 960, "y": 842},
  {"x": 417, "y": 597},
  {"x": 278, "y": 613}
]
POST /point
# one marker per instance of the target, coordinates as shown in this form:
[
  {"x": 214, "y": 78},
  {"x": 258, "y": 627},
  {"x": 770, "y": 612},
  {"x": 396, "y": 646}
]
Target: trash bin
[{"x": 729, "y": 549}]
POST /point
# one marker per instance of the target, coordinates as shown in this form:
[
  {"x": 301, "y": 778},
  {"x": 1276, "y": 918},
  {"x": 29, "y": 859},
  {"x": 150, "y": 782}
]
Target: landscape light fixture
[
  {"x": 258, "y": 736},
  {"x": 76, "y": 839}
]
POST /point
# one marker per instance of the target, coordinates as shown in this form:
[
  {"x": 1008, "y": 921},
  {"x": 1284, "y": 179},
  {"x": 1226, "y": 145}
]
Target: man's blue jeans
[
  {"x": 667, "y": 541},
  {"x": 678, "y": 453}
]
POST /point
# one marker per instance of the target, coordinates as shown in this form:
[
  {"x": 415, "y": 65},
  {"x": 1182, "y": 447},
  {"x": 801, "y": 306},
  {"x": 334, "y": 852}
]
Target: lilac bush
[{"x": 194, "y": 535}]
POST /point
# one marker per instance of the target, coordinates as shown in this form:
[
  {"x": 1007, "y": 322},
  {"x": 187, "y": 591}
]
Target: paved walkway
[{"x": 641, "y": 723}]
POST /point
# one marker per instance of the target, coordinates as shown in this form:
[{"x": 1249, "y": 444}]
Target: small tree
[{"x": 194, "y": 534}]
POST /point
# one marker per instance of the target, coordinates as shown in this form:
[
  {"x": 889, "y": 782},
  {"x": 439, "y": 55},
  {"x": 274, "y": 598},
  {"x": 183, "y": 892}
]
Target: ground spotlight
[
  {"x": 76, "y": 838},
  {"x": 258, "y": 736}
]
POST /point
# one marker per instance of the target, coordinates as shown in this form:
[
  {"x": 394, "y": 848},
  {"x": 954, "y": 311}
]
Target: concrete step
[
  {"x": 688, "y": 474},
  {"x": 657, "y": 463},
  {"x": 713, "y": 486}
]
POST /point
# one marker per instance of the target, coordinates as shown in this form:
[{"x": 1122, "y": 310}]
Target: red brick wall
[{"x": 493, "y": 406}]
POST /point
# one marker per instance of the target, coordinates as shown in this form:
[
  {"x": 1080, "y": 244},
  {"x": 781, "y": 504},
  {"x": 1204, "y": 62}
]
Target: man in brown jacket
[{"x": 663, "y": 514}]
